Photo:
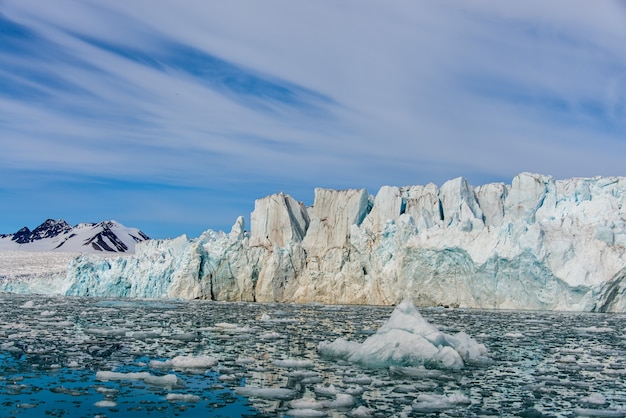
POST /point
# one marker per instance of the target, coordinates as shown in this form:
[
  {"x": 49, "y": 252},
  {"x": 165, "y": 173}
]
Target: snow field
[{"x": 33, "y": 263}]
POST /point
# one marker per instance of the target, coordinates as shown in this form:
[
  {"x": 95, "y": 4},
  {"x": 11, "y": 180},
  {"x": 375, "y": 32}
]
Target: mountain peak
[
  {"x": 49, "y": 229},
  {"x": 22, "y": 236},
  {"x": 109, "y": 224},
  {"x": 58, "y": 235}
]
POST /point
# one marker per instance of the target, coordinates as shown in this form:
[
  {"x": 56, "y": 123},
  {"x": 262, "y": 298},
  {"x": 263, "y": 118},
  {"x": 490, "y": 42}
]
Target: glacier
[{"x": 537, "y": 243}]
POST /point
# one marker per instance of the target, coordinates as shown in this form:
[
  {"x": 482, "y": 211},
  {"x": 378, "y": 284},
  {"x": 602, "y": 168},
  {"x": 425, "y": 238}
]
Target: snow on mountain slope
[
  {"x": 538, "y": 243},
  {"x": 107, "y": 236}
]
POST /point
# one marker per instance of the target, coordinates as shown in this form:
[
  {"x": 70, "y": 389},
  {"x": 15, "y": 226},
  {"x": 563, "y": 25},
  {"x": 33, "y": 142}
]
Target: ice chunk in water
[
  {"x": 595, "y": 399},
  {"x": 169, "y": 380},
  {"x": 433, "y": 403},
  {"x": 281, "y": 394},
  {"x": 193, "y": 362},
  {"x": 306, "y": 413},
  {"x": 329, "y": 390},
  {"x": 107, "y": 376},
  {"x": 181, "y": 397},
  {"x": 342, "y": 400},
  {"x": 270, "y": 336},
  {"x": 306, "y": 403},
  {"x": 294, "y": 364},
  {"x": 594, "y": 329},
  {"x": 361, "y": 412},
  {"x": 226, "y": 325},
  {"x": 27, "y": 305},
  {"x": 606, "y": 413},
  {"x": 407, "y": 339},
  {"x": 358, "y": 380},
  {"x": 158, "y": 364},
  {"x": 106, "y": 404}
]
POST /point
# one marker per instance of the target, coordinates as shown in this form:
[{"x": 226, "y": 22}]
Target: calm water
[{"x": 51, "y": 348}]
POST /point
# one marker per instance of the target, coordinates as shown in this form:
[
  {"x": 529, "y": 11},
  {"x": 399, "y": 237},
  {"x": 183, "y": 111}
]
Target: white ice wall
[{"x": 538, "y": 243}]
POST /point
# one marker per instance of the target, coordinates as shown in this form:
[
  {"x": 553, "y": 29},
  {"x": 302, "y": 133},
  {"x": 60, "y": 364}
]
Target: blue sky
[{"x": 174, "y": 117}]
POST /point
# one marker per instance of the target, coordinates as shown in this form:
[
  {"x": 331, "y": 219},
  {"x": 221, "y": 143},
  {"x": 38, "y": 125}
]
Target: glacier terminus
[{"x": 538, "y": 243}]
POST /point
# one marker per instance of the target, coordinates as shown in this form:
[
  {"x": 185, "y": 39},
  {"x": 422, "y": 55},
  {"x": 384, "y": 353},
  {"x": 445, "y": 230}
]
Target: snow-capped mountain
[{"x": 58, "y": 235}]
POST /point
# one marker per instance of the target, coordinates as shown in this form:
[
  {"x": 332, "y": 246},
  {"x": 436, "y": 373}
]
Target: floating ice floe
[
  {"x": 326, "y": 390},
  {"x": 267, "y": 318},
  {"x": 281, "y": 394},
  {"x": 594, "y": 399},
  {"x": 434, "y": 403},
  {"x": 28, "y": 305},
  {"x": 605, "y": 413},
  {"x": 306, "y": 413},
  {"x": 567, "y": 359},
  {"x": 313, "y": 408},
  {"x": 270, "y": 336},
  {"x": 106, "y": 404},
  {"x": 360, "y": 412},
  {"x": 185, "y": 362},
  {"x": 226, "y": 325},
  {"x": 294, "y": 364},
  {"x": 306, "y": 403},
  {"x": 169, "y": 380},
  {"x": 182, "y": 397},
  {"x": 407, "y": 339},
  {"x": 341, "y": 401},
  {"x": 594, "y": 329},
  {"x": 193, "y": 362}
]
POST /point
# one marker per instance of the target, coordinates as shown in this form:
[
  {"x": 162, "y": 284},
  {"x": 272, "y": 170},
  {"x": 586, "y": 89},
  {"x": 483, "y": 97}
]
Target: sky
[{"x": 173, "y": 117}]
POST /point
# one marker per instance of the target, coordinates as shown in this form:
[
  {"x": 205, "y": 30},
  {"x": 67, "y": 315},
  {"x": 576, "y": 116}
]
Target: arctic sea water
[{"x": 87, "y": 357}]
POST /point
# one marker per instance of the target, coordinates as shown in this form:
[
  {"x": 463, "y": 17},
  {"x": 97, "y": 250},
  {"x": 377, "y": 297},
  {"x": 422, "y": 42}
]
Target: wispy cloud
[{"x": 232, "y": 101}]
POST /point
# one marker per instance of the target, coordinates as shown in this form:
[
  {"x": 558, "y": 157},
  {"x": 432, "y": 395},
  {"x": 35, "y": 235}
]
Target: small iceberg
[{"x": 408, "y": 340}]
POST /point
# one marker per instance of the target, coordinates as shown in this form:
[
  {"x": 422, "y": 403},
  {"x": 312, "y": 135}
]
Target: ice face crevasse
[{"x": 538, "y": 243}]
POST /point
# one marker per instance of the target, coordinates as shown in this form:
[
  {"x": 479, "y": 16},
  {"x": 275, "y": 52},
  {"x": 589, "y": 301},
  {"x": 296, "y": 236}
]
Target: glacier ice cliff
[{"x": 538, "y": 243}]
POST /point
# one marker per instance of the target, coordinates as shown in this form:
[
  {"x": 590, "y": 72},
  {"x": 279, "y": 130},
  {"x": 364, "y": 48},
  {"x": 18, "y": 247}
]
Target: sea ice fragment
[
  {"x": 193, "y": 362},
  {"x": 433, "y": 403},
  {"x": 169, "y": 380},
  {"x": 294, "y": 364},
  {"x": 407, "y": 339},
  {"x": 282, "y": 394},
  {"x": 306, "y": 403},
  {"x": 181, "y": 397},
  {"x": 105, "y": 404},
  {"x": 306, "y": 413}
]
